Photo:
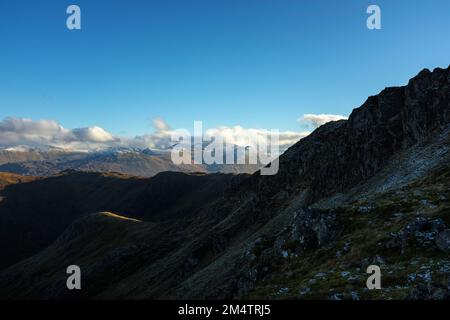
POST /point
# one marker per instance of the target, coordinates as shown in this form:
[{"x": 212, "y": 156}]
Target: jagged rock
[
  {"x": 313, "y": 227},
  {"x": 283, "y": 290},
  {"x": 354, "y": 296},
  {"x": 443, "y": 240},
  {"x": 429, "y": 292},
  {"x": 320, "y": 275},
  {"x": 345, "y": 249},
  {"x": 337, "y": 296},
  {"x": 366, "y": 209},
  {"x": 422, "y": 230},
  {"x": 304, "y": 291}
]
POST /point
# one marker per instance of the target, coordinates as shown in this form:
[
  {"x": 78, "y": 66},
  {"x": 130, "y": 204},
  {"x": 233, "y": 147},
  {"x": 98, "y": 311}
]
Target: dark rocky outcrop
[{"x": 341, "y": 154}]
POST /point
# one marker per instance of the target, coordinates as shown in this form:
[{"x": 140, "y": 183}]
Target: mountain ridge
[
  {"x": 131, "y": 161},
  {"x": 336, "y": 206}
]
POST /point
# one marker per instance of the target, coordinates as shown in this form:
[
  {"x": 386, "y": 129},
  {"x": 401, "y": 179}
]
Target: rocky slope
[{"x": 370, "y": 190}]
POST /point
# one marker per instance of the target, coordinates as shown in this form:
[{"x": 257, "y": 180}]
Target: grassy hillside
[
  {"x": 52, "y": 204},
  {"x": 7, "y": 179}
]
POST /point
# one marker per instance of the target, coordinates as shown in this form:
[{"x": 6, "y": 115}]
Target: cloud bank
[
  {"x": 22, "y": 131},
  {"x": 44, "y": 133},
  {"x": 238, "y": 135}
]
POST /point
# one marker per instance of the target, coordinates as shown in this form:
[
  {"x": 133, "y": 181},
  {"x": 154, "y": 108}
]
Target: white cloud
[
  {"x": 16, "y": 132},
  {"x": 157, "y": 140},
  {"x": 20, "y": 131},
  {"x": 239, "y": 136},
  {"x": 160, "y": 125},
  {"x": 93, "y": 134},
  {"x": 314, "y": 121}
]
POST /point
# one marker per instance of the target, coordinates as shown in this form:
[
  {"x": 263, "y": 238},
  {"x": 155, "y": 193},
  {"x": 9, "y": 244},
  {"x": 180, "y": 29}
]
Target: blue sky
[{"x": 255, "y": 63}]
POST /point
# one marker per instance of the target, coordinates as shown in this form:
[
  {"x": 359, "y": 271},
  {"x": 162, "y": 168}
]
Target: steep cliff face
[
  {"x": 403, "y": 130},
  {"x": 341, "y": 154},
  {"x": 373, "y": 189}
]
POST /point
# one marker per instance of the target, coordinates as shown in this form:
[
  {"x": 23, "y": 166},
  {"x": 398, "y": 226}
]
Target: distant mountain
[
  {"x": 26, "y": 154},
  {"x": 145, "y": 163},
  {"x": 370, "y": 190}
]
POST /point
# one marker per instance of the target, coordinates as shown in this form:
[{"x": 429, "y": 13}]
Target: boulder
[{"x": 443, "y": 240}]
